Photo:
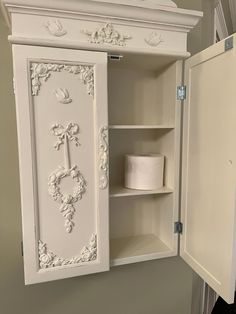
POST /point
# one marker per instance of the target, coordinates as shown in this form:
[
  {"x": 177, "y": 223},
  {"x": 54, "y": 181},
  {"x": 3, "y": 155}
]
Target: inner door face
[{"x": 209, "y": 168}]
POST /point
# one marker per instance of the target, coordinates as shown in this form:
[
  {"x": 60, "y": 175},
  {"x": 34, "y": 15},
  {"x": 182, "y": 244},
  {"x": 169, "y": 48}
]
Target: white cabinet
[{"x": 111, "y": 92}]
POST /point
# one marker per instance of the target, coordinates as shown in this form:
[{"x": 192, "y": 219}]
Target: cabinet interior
[{"x": 144, "y": 118}]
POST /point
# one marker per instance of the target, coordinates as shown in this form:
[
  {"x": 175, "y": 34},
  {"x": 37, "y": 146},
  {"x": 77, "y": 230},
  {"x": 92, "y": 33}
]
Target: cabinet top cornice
[{"x": 163, "y": 12}]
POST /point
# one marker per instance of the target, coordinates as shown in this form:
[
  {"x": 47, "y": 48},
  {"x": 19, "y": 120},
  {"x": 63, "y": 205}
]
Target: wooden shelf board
[
  {"x": 137, "y": 249},
  {"x": 123, "y": 192},
  {"x": 136, "y": 126}
]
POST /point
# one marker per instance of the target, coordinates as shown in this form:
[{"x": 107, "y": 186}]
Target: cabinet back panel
[
  {"x": 134, "y": 216},
  {"x": 124, "y": 142},
  {"x": 139, "y": 96}
]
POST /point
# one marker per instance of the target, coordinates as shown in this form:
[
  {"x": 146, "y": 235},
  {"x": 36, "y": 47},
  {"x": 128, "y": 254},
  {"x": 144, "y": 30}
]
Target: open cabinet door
[
  {"x": 61, "y": 100},
  {"x": 209, "y": 167}
]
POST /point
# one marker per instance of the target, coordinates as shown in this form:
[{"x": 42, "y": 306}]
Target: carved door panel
[{"x": 61, "y": 99}]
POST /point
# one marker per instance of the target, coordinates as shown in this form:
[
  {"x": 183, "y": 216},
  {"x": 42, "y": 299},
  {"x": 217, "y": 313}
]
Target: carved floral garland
[
  {"x": 42, "y": 71},
  {"x": 48, "y": 259},
  {"x": 106, "y": 34},
  {"x": 103, "y": 158}
]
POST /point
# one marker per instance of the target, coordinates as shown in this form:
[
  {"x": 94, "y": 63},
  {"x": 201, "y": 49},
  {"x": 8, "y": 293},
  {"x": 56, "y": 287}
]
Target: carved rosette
[
  {"x": 106, "y": 34},
  {"x": 103, "y": 158},
  {"x": 40, "y": 72},
  {"x": 48, "y": 259}
]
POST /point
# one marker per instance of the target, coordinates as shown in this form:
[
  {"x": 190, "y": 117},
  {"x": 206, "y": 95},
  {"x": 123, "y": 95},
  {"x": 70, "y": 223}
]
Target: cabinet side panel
[
  {"x": 209, "y": 168},
  {"x": 61, "y": 99}
]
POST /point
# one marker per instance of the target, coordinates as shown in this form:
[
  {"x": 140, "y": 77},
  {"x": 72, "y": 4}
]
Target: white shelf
[
  {"x": 137, "y": 249},
  {"x": 140, "y": 127},
  {"x": 123, "y": 192}
]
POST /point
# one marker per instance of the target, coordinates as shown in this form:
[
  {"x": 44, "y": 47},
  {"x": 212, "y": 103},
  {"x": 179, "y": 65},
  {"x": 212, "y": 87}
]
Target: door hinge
[
  {"x": 21, "y": 246},
  {"x": 229, "y": 43},
  {"x": 178, "y": 227},
  {"x": 181, "y": 92}
]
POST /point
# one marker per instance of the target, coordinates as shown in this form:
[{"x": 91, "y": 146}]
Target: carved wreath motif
[
  {"x": 106, "y": 34},
  {"x": 42, "y": 71},
  {"x": 103, "y": 158},
  {"x": 67, "y": 201},
  {"x": 48, "y": 259}
]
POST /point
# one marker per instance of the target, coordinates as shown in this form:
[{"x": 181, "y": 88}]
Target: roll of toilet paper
[{"x": 144, "y": 172}]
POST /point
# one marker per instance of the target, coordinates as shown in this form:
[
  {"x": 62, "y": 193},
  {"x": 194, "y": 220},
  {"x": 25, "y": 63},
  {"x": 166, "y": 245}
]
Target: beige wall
[{"x": 156, "y": 287}]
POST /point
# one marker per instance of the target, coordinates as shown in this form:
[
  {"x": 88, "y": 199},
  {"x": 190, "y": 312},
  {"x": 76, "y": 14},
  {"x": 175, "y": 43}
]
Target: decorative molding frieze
[
  {"x": 106, "y": 34},
  {"x": 64, "y": 136},
  {"x": 55, "y": 28},
  {"x": 40, "y": 72},
  {"x": 48, "y": 259},
  {"x": 62, "y": 95},
  {"x": 154, "y": 39},
  {"x": 103, "y": 158}
]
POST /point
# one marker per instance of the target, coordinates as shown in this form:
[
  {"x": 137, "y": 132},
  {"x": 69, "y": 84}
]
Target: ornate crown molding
[
  {"x": 106, "y": 34},
  {"x": 42, "y": 71},
  {"x": 103, "y": 158},
  {"x": 154, "y": 39},
  {"x": 55, "y": 28},
  {"x": 48, "y": 259},
  {"x": 67, "y": 201}
]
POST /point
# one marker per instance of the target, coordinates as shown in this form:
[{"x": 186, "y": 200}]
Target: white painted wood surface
[
  {"x": 61, "y": 101},
  {"x": 209, "y": 168}
]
